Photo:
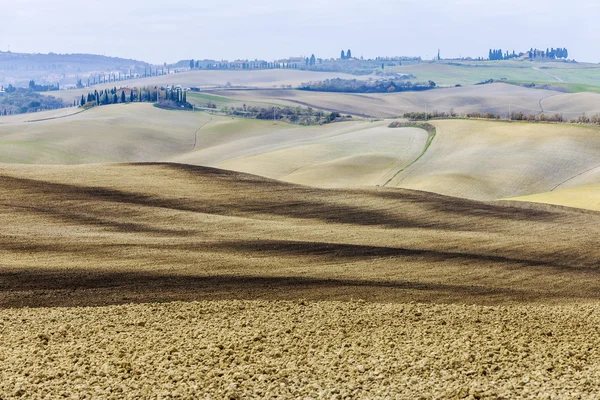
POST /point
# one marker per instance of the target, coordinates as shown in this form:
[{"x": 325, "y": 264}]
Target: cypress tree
[
  {"x": 82, "y": 100},
  {"x": 123, "y": 98}
]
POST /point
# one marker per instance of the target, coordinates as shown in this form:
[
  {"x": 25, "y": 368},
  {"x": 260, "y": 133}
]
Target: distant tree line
[
  {"x": 514, "y": 116},
  {"x": 42, "y": 88},
  {"x": 496, "y": 55},
  {"x": 294, "y": 115},
  {"x": 551, "y": 53},
  {"x": 411, "y": 124},
  {"x": 164, "y": 97},
  {"x": 359, "y": 86},
  {"x": 25, "y": 100}
]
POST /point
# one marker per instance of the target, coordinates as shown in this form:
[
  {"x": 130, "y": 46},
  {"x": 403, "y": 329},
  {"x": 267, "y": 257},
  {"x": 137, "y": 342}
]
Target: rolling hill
[
  {"x": 216, "y": 78},
  {"x": 472, "y": 159},
  {"x": 497, "y": 98},
  {"x": 109, "y": 234},
  {"x": 173, "y": 280},
  {"x": 493, "y": 160}
]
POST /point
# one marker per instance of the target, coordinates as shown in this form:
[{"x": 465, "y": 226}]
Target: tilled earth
[{"x": 299, "y": 349}]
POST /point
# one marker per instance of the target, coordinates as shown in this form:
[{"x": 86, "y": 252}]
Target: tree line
[
  {"x": 495, "y": 55},
  {"x": 43, "y": 88},
  {"x": 513, "y": 116},
  {"x": 26, "y": 100},
  {"x": 164, "y": 97},
  {"x": 297, "y": 115},
  {"x": 346, "y": 56},
  {"x": 551, "y": 53},
  {"x": 338, "y": 85}
]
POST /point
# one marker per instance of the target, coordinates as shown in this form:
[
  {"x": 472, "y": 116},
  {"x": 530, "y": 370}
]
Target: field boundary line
[
  {"x": 196, "y": 133},
  {"x": 430, "y": 137},
  {"x": 51, "y": 118},
  {"x": 573, "y": 177}
]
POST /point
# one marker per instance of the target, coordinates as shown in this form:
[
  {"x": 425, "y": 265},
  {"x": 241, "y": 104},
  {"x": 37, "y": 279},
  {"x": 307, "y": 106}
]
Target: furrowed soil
[
  {"x": 329, "y": 350},
  {"x": 175, "y": 281}
]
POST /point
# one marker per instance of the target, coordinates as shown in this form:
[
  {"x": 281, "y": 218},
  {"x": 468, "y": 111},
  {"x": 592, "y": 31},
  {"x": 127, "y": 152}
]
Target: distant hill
[{"x": 19, "y": 68}]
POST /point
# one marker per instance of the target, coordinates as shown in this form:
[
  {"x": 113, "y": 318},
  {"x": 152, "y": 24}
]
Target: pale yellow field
[
  {"x": 494, "y": 160},
  {"x": 133, "y": 132},
  {"x": 346, "y": 154},
  {"x": 473, "y": 159},
  {"x": 586, "y": 197}
]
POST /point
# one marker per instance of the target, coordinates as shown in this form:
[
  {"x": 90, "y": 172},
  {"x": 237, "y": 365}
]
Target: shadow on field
[
  {"x": 261, "y": 199},
  {"x": 92, "y": 288}
]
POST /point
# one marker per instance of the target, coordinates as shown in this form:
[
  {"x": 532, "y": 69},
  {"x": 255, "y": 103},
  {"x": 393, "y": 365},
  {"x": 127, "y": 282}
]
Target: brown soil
[
  {"x": 329, "y": 350},
  {"x": 233, "y": 245},
  {"x": 98, "y": 235}
]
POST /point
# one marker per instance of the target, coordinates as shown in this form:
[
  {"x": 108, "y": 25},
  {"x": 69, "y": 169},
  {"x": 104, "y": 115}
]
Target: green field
[
  {"x": 203, "y": 99},
  {"x": 469, "y": 73}
]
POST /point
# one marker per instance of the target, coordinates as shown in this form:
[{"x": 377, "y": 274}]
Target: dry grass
[{"x": 239, "y": 349}]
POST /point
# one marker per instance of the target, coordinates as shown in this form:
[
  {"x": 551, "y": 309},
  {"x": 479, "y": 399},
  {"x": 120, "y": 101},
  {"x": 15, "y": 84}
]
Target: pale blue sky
[{"x": 158, "y": 31}]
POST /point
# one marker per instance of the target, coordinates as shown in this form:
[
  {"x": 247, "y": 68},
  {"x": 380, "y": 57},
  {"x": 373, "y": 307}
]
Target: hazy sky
[{"x": 170, "y": 30}]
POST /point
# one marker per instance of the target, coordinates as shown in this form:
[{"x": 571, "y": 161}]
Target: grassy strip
[{"x": 431, "y": 132}]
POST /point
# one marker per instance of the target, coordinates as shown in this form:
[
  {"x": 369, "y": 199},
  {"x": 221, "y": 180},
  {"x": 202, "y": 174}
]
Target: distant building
[
  {"x": 127, "y": 91},
  {"x": 2, "y": 91}
]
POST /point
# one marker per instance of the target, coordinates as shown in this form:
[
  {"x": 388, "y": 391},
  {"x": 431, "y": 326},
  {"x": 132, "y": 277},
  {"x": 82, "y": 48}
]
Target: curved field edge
[{"x": 431, "y": 132}]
